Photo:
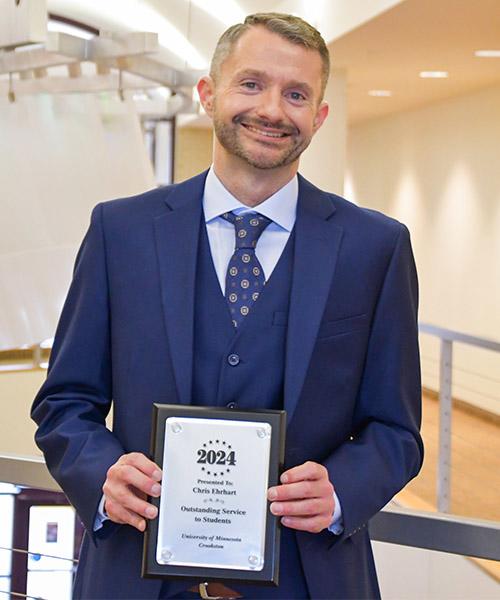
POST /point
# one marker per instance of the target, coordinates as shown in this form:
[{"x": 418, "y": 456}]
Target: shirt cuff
[
  {"x": 101, "y": 516},
  {"x": 337, "y": 524}
]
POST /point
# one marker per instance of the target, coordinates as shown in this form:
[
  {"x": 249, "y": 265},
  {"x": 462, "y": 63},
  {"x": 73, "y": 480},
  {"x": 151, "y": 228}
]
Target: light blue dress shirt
[{"x": 281, "y": 209}]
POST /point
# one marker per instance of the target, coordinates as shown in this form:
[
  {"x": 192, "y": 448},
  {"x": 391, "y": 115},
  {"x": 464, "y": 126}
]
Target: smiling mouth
[{"x": 266, "y": 133}]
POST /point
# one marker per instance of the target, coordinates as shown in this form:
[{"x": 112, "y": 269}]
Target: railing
[
  {"x": 419, "y": 529},
  {"x": 434, "y": 531},
  {"x": 37, "y": 355},
  {"x": 10, "y": 593},
  {"x": 437, "y": 531},
  {"x": 30, "y": 471},
  {"x": 448, "y": 337},
  {"x": 32, "y": 488}
]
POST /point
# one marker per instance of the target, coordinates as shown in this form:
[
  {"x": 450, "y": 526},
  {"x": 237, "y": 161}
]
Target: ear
[
  {"x": 206, "y": 92},
  {"x": 321, "y": 115}
]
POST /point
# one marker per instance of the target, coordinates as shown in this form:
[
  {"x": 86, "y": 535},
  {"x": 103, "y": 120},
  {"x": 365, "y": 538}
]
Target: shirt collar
[{"x": 281, "y": 207}]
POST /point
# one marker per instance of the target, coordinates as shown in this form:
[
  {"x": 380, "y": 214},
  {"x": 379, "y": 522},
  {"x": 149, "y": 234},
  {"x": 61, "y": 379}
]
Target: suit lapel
[
  {"x": 317, "y": 242},
  {"x": 177, "y": 234}
]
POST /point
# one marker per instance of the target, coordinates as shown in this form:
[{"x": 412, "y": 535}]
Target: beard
[{"x": 230, "y": 137}]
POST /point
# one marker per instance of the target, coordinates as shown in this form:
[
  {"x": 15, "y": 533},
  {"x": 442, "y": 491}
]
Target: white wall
[
  {"x": 59, "y": 156},
  {"x": 437, "y": 169},
  {"x": 414, "y": 574}
]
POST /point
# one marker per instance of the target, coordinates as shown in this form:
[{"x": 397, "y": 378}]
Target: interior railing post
[{"x": 445, "y": 413}]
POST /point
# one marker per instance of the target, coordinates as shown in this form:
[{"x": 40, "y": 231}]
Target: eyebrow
[{"x": 262, "y": 75}]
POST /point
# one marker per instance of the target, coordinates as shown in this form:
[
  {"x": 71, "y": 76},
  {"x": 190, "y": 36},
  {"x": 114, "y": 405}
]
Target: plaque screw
[
  {"x": 253, "y": 560},
  {"x": 262, "y": 433},
  {"x": 176, "y": 427},
  {"x": 166, "y": 555}
]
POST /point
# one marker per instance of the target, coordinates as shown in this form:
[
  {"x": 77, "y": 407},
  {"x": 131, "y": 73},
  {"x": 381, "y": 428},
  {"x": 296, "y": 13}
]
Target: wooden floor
[{"x": 475, "y": 479}]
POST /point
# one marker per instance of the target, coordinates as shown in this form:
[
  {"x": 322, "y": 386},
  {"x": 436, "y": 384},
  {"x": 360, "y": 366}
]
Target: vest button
[
  {"x": 233, "y": 360},
  {"x": 231, "y": 405}
]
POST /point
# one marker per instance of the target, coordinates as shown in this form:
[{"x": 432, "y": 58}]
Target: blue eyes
[{"x": 294, "y": 96}]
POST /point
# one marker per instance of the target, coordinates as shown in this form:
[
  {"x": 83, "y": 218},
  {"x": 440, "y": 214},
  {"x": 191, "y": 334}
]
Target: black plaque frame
[{"x": 269, "y": 575}]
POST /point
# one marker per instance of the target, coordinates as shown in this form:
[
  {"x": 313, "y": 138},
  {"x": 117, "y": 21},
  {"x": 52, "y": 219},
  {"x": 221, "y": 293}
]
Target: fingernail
[
  {"x": 276, "y": 508},
  {"x": 285, "y": 521},
  {"x": 157, "y": 475},
  {"x": 272, "y": 494},
  {"x": 284, "y": 478},
  {"x": 151, "y": 512},
  {"x": 156, "y": 489}
]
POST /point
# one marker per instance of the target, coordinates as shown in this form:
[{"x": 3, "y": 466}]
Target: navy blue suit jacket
[{"x": 352, "y": 380}]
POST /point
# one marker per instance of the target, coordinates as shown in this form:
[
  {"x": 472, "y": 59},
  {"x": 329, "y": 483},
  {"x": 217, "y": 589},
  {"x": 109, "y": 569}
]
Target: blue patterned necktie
[{"x": 244, "y": 277}]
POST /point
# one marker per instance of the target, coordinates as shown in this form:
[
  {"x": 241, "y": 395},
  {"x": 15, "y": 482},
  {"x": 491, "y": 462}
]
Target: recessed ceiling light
[
  {"x": 433, "y": 74},
  {"x": 487, "y": 53},
  {"x": 380, "y": 93}
]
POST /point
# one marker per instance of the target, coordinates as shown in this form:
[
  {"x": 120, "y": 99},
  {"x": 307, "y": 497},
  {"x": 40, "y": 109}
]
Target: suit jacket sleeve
[
  {"x": 71, "y": 407},
  {"x": 386, "y": 450}
]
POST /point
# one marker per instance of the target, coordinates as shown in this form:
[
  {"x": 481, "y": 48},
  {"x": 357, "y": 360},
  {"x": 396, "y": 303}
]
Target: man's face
[{"x": 265, "y": 104}]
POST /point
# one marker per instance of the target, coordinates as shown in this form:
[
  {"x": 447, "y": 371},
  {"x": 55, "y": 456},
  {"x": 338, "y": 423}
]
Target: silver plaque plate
[{"x": 213, "y": 504}]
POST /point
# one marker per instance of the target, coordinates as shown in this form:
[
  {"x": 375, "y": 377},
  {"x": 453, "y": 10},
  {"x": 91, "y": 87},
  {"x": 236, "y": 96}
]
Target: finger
[
  {"x": 121, "y": 515},
  {"x": 117, "y": 488},
  {"x": 301, "y": 489},
  {"x": 308, "y": 470},
  {"x": 142, "y": 463},
  {"x": 134, "y": 503},
  {"x": 303, "y": 508},
  {"x": 311, "y": 524},
  {"x": 126, "y": 474},
  {"x": 129, "y": 498}
]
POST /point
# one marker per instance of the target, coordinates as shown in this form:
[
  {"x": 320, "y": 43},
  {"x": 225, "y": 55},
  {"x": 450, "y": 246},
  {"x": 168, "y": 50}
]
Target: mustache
[{"x": 278, "y": 125}]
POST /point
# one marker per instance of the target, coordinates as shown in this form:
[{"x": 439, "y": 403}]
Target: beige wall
[
  {"x": 437, "y": 169},
  {"x": 193, "y": 151},
  {"x": 17, "y": 391},
  {"x": 323, "y": 162}
]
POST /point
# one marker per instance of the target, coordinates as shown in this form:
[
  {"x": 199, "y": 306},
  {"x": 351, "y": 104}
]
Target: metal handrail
[
  {"x": 437, "y": 531},
  {"x": 22, "y": 551},
  {"x": 30, "y": 471},
  {"x": 18, "y": 595},
  {"x": 434, "y": 531},
  {"x": 448, "y": 337},
  {"x": 456, "y": 336}
]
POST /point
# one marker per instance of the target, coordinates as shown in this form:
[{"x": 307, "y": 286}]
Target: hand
[
  {"x": 305, "y": 499},
  {"x": 127, "y": 483}
]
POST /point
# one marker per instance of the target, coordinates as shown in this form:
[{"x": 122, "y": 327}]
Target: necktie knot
[{"x": 248, "y": 227}]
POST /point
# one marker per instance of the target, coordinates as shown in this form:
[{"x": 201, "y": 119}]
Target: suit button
[
  {"x": 231, "y": 405},
  {"x": 233, "y": 360}
]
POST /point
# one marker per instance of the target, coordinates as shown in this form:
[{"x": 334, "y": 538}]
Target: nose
[{"x": 270, "y": 107}]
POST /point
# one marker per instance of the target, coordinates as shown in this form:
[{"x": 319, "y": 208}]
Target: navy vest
[
  {"x": 241, "y": 367},
  {"x": 244, "y": 368}
]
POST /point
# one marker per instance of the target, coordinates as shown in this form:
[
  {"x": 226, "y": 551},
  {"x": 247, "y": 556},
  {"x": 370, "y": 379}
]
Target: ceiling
[
  {"x": 385, "y": 52},
  {"x": 190, "y": 27},
  {"x": 389, "y": 52}
]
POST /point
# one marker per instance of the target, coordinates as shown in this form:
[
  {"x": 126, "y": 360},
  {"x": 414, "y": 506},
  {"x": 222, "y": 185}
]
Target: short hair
[{"x": 294, "y": 29}]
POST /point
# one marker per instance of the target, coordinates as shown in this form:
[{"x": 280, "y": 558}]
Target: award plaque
[{"x": 214, "y": 522}]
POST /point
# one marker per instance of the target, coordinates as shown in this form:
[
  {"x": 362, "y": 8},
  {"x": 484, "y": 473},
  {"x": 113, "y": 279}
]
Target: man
[{"x": 166, "y": 307}]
